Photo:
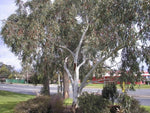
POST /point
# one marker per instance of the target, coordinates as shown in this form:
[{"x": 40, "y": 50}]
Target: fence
[{"x": 15, "y": 81}]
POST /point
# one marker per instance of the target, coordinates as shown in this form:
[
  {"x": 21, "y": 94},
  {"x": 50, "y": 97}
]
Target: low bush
[
  {"x": 110, "y": 92},
  {"x": 42, "y": 104},
  {"x": 91, "y": 103},
  {"x": 130, "y": 105}
]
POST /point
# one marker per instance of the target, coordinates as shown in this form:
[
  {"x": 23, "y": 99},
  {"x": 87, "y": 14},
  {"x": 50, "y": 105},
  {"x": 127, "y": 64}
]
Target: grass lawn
[
  {"x": 68, "y": 102},
  {"x": 142, "y": 86},
  {"x": 118, "y": 86},
  {"x": 147, "y": 108},
  {"x": 95, "y": 86},
  {"x": 8, "y": 100}
]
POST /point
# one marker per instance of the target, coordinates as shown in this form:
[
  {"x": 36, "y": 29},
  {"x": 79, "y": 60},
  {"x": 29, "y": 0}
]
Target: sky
[{"x": 7, "y": 7}]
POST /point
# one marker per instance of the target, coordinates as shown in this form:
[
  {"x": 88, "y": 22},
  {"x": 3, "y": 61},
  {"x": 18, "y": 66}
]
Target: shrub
[
  {"x": 57, "y": 104},
  {"x": 130, "y": 105},
  {"x": 90, "y": 103},
  {"x": 110, "y": 92},
  {"x": 42, "y": 104}
]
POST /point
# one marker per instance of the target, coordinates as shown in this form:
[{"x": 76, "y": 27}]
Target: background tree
[
  {"x": 5, "y": 70},
  {"x": 29, "y": 36}
]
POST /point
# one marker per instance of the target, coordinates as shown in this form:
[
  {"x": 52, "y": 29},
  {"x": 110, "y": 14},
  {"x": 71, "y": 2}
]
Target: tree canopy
[
  {"x": 5, "y": 70},
  {"x": 80, "y": 31}
]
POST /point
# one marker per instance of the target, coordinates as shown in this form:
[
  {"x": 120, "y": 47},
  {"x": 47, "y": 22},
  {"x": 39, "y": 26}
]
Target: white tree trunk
[
  {"x": 75, "y": 94},
  {"x": 74, "y": 80}
]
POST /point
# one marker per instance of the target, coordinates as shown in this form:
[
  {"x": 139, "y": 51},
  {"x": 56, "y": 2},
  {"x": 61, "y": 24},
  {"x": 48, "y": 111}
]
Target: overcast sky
[{"x": 7, "y": 7}]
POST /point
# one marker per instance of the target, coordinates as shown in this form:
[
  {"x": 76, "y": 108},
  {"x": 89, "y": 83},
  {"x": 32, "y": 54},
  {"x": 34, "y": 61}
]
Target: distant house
[
  {"x": 106, "y": 77},
  {"x": 146, "y": 77}
]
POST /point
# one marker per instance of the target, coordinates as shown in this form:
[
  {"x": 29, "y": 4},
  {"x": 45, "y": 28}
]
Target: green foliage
[
  {"x": 110, "y": 25},
  {"x": 110, "y": 92},
  {"x": 91, "y": 103},
  {"x": 4, "y": 71},
  {"x": 36, "y": 79},
  {"x": 130, "y": 105},
  {"x": 42, "y": 104},
  {"x": 130, "y": 65},
  {"x": 11, "y": 76},
  {"x": 68, "y": 101}
]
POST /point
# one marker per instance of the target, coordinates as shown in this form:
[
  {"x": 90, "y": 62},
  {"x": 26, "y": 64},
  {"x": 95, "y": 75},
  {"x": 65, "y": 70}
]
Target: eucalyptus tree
[
  {"x": 85, "y": 30},
  {"x": 28, "y": 34},
  {"x": 98, "y": 30}
]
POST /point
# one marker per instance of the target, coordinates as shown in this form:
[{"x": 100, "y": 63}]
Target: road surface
[{"x": 143, "y": 95}]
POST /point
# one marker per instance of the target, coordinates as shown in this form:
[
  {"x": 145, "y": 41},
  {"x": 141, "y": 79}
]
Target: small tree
[
  {"x": 4, "y": 71},
  {"x": 110, "y": 92}
]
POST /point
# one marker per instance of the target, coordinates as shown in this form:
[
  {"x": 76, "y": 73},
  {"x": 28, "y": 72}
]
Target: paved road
[
  {"x": 143, "y": 95},
  {"x": 26, "y": 89}
]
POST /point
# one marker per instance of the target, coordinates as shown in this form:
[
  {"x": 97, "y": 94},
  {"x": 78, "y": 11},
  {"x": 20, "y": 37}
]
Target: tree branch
[
  {"x": 99, "y": 62},
  {"x": 80, "y": 43},
  {"x": 63, "y": 47},
  {"x": 83, "y": 62},
  {"x": 68, "y": 72}
]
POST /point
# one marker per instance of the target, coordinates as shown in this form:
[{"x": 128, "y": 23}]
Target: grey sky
[{"x": 7, "y": 7}]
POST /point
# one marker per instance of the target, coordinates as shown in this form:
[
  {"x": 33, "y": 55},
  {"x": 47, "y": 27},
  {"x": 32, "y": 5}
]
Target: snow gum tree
[{"x": 85, "y": 31}]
